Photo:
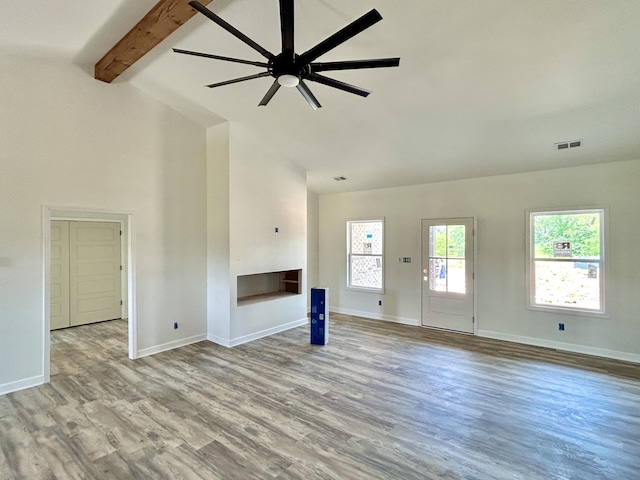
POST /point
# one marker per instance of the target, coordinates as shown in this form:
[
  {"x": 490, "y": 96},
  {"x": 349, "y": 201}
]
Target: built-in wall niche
[{"x": 261, "y": 287}]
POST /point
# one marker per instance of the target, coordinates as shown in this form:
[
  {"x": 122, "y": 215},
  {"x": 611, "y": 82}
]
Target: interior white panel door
[
  {"x": 59, "y": 275},
  {"x": 95, "y": 293},
  {"x": 447, "y": 274}
]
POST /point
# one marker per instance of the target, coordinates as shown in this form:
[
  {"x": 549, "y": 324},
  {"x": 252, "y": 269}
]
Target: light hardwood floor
[{"x": 380, "y": 401}]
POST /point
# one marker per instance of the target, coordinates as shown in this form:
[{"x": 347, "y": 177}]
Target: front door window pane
[
  {"x": 438, "y": 274},
  {"x": 446, "y": 258},
  {"x": 438, "y": 241},
  {"x": 456, "y": 276}
]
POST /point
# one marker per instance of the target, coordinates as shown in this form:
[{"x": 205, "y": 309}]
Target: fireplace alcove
[{"x": 262, "y": 287}]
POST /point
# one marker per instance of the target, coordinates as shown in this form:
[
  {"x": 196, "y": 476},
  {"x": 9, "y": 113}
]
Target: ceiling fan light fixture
[{"x": 288, "y": 81}]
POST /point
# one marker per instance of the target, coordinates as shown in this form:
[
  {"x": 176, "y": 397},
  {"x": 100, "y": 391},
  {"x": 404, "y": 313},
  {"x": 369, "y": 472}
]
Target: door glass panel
[
  {"x": 438, "y": 241},
  {"x": 456, "y": 276},
  {"x": 447, "y": 258},
  {"x": 438, "y": 275},
  {"x": 455, "y": 241}
]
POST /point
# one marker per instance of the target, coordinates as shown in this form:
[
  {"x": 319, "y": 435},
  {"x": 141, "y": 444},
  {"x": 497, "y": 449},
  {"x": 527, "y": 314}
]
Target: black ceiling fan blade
[
  {"x": 314, "y": 77},
  {"x": 236, "y": 80},
  {"x": 308, "y": 96},
  {"x": 355, "y": 64},
  {"x": 270, "y": 93},
  {"x": 286, "y": 27},
  {"x": 218, "y": 57},
  {"x": 341, "y": 36},
  {"x": 231, "y": 29}
]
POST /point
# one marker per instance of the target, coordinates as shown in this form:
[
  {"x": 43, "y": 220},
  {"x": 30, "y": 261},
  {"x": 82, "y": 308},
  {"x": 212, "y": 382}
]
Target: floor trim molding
[
  {"x": 568, "y": 347},
  {"x": 219, "y": 340},
  {"x": 387, "y": 318},
  {"x": 225, "y": 342},
  {"x": 21, "y": 384},
  {"x": 537, "y": 342},
  {"x": 183, "y": 342}
]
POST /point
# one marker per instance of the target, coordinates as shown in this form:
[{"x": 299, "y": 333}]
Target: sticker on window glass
[
  {"x": 592, "y": 271},
  {"x": 562, "y": 249},
  {"x": 367, "y": 247}
]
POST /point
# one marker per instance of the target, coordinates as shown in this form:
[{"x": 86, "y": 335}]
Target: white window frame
[
  {"x": 349, "y": 254},
  {"x": 603, "y": 261}
]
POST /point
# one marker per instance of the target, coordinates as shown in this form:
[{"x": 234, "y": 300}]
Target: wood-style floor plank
[{"x": 380, "y": 401}]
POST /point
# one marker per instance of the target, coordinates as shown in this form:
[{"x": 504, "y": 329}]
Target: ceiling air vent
[
  {"x": 566, "y": 145},
  {"x": 341, "y": 178}
]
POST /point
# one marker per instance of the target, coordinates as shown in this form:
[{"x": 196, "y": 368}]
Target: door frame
[
  {"x": 125, "y": 219},
  {"x": 475, "y": 269}
]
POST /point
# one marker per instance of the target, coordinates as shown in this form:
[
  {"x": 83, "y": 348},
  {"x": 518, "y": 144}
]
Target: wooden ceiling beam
[{"x": 161, "y": 21}]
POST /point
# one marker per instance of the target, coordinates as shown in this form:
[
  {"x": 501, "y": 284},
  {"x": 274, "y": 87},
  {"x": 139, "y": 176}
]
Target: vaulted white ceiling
[{"x": 483, "y": 88}]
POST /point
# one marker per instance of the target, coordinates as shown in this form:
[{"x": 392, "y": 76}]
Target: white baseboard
[
  {"x": 21, "y": 384},
  {"x": 170, "y": 345},
  {"x": 568, "y": 347},
  {"x": 387, "y": 318},
  {"x": 225, "y": 342}
]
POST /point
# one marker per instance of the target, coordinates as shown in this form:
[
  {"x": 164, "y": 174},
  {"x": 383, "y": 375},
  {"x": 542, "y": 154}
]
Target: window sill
[
  {"x": 567, "y": 311},
  {"x": 366, "y": 290}
]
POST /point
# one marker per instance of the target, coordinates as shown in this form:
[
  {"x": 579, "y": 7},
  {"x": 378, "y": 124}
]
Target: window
[
  {"x": 566, "y": 260},
  {"x": 365, "y": 269}
]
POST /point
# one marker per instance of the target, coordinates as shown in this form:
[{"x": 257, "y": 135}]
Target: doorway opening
[{"x": 115, "y": 221}]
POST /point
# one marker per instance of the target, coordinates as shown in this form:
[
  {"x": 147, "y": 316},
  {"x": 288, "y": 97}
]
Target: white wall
[
  {"x": 264, "y": 192},
  {"x": 313, "y": 217},
  {"x": 499, "y": 204},
  {"x": 67, "y": 140},
  {"x": 218, "y": 264}
]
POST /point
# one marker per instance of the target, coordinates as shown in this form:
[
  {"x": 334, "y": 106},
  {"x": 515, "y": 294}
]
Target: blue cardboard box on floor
[{"x": 319, "y": 316}]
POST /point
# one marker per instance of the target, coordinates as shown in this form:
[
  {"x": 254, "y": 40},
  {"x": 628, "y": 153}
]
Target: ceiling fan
[{"x": 290, "y": 69}]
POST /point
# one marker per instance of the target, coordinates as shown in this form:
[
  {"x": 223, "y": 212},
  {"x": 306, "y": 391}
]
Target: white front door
[{"x": 447, "y": 274}]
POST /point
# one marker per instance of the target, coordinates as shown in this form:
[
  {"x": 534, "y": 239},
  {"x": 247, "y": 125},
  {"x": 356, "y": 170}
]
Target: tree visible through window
[
  {"x": 567, "y": 260},
  {"x": 365, "y": 254}
]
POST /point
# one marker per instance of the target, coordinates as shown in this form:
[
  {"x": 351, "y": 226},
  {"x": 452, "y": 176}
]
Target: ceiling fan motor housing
[{"x": 284, "y": 65}]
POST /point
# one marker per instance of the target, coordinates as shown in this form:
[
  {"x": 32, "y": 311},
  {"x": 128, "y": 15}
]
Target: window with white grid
[
  {"x": 566, "y": 267},
  {"x": 365, "y": 242}
]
